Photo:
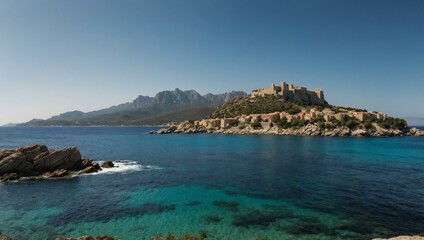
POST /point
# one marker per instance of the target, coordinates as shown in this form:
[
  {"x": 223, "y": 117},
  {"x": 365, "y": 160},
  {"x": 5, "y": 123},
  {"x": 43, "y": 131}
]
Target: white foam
[{"x": 125, "y": 166}]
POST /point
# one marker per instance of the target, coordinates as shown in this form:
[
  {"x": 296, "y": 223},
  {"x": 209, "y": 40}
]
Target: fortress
[{"x": 289, "y": 92}]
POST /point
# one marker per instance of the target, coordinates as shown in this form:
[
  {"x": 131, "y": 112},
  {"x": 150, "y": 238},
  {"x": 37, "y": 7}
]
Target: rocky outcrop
[
  {"x": 184, "y": 127},
  {"x": 68, "y": 158},
  {"x": 37, "y": 162},
  {"x": 307, "y": 130},
  {"x": 416, "y": 132}
]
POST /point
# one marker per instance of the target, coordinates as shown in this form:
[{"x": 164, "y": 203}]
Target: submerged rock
[
  {"x": 36, "y": 162},
  {"x": 9, "y": 177},
  {"x": 107, "y": 164},
  {"x": 88, "y": 238}
]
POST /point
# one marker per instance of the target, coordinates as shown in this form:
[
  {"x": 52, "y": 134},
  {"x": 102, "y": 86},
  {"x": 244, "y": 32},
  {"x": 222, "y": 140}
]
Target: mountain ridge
[{"x": 145, "y": 110}]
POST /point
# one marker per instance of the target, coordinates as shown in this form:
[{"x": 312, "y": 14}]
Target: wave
[{"x": 125, "y": 166}]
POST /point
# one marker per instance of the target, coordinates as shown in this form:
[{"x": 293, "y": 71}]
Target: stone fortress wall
[{"x": 290, "y": 92}]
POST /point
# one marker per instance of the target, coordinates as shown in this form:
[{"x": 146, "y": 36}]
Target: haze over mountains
[{"x": 164, "y": 107}]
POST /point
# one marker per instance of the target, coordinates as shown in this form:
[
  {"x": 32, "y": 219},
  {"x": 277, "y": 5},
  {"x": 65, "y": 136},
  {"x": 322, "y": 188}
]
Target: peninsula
[{"x": 292, "y": 110}]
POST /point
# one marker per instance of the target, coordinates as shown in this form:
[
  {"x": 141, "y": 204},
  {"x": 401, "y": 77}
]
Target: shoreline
[{"x": 307, "y": 130}]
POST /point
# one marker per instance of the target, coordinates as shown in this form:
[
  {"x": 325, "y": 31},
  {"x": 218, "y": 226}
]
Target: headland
[{"x": 293, "y": 110}]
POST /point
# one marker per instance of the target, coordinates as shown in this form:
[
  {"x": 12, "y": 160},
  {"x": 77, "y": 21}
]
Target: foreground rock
[
  {"x": 37, "y": 162},
  {"x": 402, "y": 238},
  {"x": 306, "y": 130}
]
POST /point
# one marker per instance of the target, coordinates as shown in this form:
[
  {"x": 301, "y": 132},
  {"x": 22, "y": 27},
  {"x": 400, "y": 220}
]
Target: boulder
[
  {"x": 359, "y": 132},
  {"x": 59, "y": 173},
  {"x": 67, "y": 158},
  {"x": 4, "y": 153},
  {"x": 171, "y": 129},
  {"x": 89, "y": 169},
  {"x": 107, "y": 164},
  {"x": 96, "y": 166},
  {"x": 9, "y": 177},
  {"x": 17, "y": 163},
  {"x": 416, "y": 132},
  {"x": 33, "y": 150},
  {"x": 85, "y": 163}
]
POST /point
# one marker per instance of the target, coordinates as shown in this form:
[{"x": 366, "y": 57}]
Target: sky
[{"x": 61, "y": 55}]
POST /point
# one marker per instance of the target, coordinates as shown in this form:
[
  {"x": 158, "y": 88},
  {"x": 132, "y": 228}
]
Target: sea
[{"x": 220, "y": 186}]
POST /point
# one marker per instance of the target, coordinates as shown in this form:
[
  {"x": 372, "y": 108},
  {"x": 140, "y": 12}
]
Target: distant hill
[
  {"x": 164, "y": 107},
  {"x": 9, "y": 125}
]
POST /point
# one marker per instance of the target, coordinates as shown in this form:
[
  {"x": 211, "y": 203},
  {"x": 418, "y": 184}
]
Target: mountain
[
  {"x": 9, "y": 125},
  {"x": 164, "y": 107}
]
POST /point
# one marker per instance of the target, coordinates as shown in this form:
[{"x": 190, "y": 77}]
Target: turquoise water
[{"x": 228, "y": 186}]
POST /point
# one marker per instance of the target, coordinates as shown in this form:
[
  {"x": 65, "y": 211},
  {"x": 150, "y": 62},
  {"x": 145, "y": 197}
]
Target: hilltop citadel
[
  {"x": 315, "y": 110},
  {"x": 289, "y": 92}
]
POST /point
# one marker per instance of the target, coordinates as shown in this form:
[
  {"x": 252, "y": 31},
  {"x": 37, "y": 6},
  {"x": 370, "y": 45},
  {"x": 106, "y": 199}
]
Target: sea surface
[{"x": 226, "y": 186}]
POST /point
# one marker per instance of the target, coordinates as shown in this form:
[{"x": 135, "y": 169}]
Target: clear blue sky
[{"x": 61, "y": 55}]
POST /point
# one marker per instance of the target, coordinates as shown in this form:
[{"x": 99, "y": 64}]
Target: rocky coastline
[
  {"x": 189, "y": 127},
  {"x": 36, "y": 161}
]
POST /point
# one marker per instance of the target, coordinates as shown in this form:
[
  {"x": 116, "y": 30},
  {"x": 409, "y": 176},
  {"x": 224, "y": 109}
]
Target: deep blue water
[{"x": 229, "y": 186}]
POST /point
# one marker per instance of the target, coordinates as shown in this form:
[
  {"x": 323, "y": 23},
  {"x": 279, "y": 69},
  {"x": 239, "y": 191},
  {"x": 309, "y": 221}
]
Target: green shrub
[
  {"x": 319, "y": 119},
  {"x": 282, "y": 123},
  {"x": 295, "y": 122},
  {"x": 293, "y": 110},
  {"x": 393, "y": 123},
  {"x": 352, "y": 123},
  {"x": 303, "y": 123},
  {"x": 256, "y": 125},
  {"x": 319, "y": 108},
  {"x": 368, "y": 125}
]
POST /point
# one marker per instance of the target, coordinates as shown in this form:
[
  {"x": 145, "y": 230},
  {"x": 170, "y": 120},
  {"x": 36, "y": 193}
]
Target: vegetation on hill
[
  {"x": 257, "y": 105},
  {"x": 269, "y": 104}
]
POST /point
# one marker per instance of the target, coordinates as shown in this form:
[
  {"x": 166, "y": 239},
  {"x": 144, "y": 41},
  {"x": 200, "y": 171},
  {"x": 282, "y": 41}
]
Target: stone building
[{"x": 290, "y": 92}]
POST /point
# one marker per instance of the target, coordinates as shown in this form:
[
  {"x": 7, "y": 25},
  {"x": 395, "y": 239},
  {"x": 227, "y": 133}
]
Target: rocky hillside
[
  {"x": 164, "y": 107},
  {"x": 273, "y": 115}
]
